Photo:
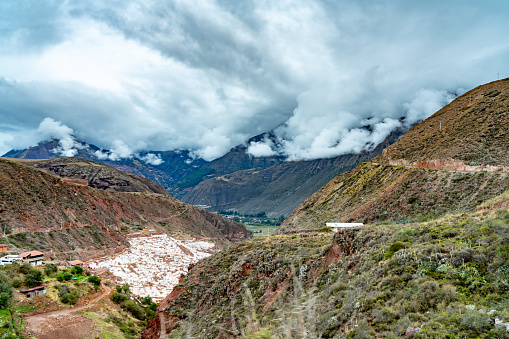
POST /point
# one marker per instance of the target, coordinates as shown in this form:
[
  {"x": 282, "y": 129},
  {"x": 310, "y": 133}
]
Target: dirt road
[{"x": 63, "y": 324}]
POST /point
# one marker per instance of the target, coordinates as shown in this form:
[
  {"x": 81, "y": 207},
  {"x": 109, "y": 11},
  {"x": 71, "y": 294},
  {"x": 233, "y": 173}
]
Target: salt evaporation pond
[{"x": 153, "y": 264}]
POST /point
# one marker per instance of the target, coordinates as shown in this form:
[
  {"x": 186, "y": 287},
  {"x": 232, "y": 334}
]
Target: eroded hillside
[{"x": 41, "y": 211}]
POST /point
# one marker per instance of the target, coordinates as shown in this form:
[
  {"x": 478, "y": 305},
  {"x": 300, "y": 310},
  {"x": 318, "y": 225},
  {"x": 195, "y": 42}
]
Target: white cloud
[
  {"x": 206, "y": 76},
  {"x": 119, "y": 150},
  {"x": 265, "y": 148},
  {"x": 151, "y": 159}
]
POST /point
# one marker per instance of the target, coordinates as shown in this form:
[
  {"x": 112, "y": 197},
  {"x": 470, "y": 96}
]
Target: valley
[{"x": 430, "y": 261}]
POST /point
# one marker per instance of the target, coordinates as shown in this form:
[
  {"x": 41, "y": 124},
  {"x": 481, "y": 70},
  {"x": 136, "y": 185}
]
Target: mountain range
[{"x": 236, "y": 181}]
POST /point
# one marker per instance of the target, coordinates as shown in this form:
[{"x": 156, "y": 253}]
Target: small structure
[
  {"x": 34, "y": 258},
  {"x": 10, "y": 259},
  {"x": 339, "y": 225},
  {"x": 75, "y": 263},
  {"x": 3, "y": 247},
  {"x": 32, "y": 292}
]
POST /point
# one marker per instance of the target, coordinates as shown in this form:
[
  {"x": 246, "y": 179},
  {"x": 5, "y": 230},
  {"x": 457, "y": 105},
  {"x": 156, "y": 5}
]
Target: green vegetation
[
  {"x": 140, "y": 308},
  {"x": 259, "y": 223},
  {"x": 439, "y": 278}
]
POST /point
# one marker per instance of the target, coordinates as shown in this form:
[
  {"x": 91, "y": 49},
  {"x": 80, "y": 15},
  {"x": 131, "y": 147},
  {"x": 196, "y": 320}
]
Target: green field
[{"x": 260, "y": 230}]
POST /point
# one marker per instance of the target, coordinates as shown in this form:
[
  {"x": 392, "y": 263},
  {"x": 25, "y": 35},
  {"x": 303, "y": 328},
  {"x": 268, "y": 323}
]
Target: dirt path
[{"x": 63, "y": 323}]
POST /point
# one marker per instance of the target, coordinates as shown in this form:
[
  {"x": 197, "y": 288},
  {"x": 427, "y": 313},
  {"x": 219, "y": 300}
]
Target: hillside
[
  {"x": 425, "y": 174},
  {"x": 469, "y": 134},
  {"x": 276, "y": 190},
  {"x": 41, "y": 211},
  {"x": 93, "y": 174},
  {"x": 441, "y": 279}
]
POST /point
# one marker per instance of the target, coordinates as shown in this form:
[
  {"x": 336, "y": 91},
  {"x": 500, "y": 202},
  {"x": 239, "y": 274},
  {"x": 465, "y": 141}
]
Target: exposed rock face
[
  {"x": 93, "y": 174},
  {"x": 34, "y": 201}
]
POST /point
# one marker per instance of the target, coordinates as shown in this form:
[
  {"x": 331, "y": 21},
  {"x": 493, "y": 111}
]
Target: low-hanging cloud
[{"x": 327, "y": 77}]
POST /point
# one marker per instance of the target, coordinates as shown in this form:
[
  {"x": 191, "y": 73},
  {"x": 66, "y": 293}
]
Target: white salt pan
[{"x": 152, "y": 265}]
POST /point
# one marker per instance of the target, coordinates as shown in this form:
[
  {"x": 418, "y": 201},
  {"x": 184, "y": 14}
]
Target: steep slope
[
  {"x": 276, "y": 190},
  {"x": 428, "y": 172},
  {"x": 440, "y": 279},
  {"x": 469, "y": 134},
  {"x": 93, "y": 174},
  {"x": 36, "y": 207},
  {"x": 374, "y": 192}
]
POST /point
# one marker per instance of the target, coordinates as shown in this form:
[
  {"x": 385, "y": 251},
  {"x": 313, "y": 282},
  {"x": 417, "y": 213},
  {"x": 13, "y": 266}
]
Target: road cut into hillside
[{"x": 153, "y": 264}]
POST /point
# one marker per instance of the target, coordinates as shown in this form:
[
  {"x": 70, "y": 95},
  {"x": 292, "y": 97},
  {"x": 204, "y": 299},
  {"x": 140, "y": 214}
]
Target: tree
[
  {"x": 95, "y": 280},
  {"x": 50, "y": 269},
  {"x": 5, "y": 295},
  {"x": 23, "y": 269},
  {"x": 33, "y": 278},
  {"x": 78, "y": 270}
]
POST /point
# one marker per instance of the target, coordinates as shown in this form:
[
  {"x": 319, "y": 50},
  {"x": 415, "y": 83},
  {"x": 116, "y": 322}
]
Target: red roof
[
  {"x": 76, "y": 262},
  {"x": 31, "y": 254},
  {"x": 33, "y": 289}
]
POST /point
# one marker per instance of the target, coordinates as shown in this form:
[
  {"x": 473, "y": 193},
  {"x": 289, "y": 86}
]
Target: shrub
[
  {"x": 117, "y": 297},
  {"x": 64, "y": 276},
  {"x": 396, "y": 246},
  {"x": 50, "y": 269},
  {"x": 23, "y": 269},
  {"x": 77, "y": 270},
  {"x": 94, "y": 280},
  {"x": 33, "y": 278}
]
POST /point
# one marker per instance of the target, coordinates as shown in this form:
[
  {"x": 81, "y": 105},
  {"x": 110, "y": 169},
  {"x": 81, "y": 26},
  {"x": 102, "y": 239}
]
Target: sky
[{"x": 328, "y": 77}]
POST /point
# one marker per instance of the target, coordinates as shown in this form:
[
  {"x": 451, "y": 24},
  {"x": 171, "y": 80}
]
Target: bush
[
  {"x": 64, "y": 276},
  {"x": 117, "y": 297},
  {"x": 77, "y": 270},
  {"x": 5, "y": 295},
  {"x": 95, "y": 280},
  {"x": 396, "y": 246},
  {"x": 33, "y": 278},
  {"x": 25, "y": 268},
  {"x": 50, "y": 269},
  {"x": 69, "y": 298},
  {"x": 16, "y": 283}
]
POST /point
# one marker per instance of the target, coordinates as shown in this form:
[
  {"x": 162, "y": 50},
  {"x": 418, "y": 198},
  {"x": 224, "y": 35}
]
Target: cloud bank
[{"x": 328, "y": 77}]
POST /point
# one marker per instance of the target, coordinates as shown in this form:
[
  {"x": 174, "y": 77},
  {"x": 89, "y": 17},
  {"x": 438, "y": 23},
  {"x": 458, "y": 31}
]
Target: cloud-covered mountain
[{"x": 135, "y": 75}]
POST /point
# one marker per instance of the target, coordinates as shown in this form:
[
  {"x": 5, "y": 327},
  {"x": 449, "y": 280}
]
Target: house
[
  {"x": 34, "y": 258},
  {"x": 32, "y": 292},
  {"x": 10, "y": 259},
  {"x": 3, "y": 247},
  {"x": 339, "y": 225},
  {"x": 76, "y": 263}
]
